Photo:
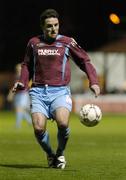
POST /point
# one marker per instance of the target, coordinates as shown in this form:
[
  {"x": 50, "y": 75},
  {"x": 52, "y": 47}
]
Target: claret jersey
[{"x": 48, "y": 63}]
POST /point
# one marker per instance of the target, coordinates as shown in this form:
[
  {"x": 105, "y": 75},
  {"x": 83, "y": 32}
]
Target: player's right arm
[
  {"x": 22, "y": 82},
  {"x": 18, "y": 86}
]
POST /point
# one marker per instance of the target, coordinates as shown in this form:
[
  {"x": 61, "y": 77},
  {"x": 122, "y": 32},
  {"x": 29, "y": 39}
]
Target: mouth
[{"x": 54, "y": 34}]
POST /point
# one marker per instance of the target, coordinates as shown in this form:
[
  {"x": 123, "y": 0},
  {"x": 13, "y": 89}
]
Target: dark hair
[{"x": 47, "y": 14}]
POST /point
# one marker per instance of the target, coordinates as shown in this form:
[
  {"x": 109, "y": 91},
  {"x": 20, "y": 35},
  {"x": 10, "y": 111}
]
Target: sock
[
  {"x": 43, "y": 139},
  {"x": 62, "y": 136}
]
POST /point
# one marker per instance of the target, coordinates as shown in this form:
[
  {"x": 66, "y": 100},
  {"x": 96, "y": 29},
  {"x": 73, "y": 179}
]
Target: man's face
[{"x": 51, "y": 28}]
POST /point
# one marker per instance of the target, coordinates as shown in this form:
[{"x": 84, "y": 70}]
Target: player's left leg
[
  {"x": 62, "y": 119},
  {"x": 60, "y": 108}
]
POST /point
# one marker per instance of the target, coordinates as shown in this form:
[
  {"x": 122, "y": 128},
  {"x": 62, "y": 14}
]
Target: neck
[{"x": 49, "y": 39}]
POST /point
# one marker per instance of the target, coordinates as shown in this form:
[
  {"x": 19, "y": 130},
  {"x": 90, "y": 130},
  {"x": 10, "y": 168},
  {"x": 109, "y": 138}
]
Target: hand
[
  {"x": 17, "y": 86},
  {"x": 96, "y": 89}
]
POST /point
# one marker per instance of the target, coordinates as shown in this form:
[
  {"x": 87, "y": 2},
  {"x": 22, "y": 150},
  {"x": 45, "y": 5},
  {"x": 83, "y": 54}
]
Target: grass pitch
[{"x": 92, "y": 153}]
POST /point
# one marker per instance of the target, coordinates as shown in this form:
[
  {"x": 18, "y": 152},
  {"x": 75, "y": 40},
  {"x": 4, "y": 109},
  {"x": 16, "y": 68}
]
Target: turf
[{"x": 93, "y": 153}]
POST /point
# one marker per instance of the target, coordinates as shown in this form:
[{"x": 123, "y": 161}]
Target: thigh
[
  {"x": 61, "y": 116},
  {"x": 39, "y": 121},
  {"x": 63, "y": 101},
  {"x": 38, "y": 101}
]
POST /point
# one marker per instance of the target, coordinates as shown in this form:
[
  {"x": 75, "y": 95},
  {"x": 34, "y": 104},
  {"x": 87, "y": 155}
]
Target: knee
[
  {"x": 62, "y": 125},
  {"x": 39, "y": 122},
  {"x": 38, "y": 127},
  {"x": 38, "y": 131}
]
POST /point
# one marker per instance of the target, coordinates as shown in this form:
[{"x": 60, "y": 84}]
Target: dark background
[{"x": 87, "y": 21}]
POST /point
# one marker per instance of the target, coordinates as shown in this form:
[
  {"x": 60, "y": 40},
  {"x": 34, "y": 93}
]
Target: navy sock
[
  {"x": 62, "y": 136},
  {"x": 43, "y": 139}
]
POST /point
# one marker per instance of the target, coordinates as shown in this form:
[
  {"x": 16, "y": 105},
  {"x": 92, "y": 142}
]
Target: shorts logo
[
  {"x": 47, "y": 52},
  {"x": 68, "y": 99}
]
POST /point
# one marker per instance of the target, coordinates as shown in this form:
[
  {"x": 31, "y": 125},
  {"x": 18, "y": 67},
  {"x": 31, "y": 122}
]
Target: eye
[
  {"x": 56, "y": 24},
  {"x": 49, "y": 25}
]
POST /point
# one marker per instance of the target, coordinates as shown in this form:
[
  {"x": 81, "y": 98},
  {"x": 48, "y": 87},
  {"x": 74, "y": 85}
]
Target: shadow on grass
[
  {"x": 29, "y": 166},
  {"x": 22, "y": 166}
]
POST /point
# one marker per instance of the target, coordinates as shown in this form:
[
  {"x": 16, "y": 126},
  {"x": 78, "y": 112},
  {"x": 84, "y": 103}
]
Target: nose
[{"x": 53, "y": 27}]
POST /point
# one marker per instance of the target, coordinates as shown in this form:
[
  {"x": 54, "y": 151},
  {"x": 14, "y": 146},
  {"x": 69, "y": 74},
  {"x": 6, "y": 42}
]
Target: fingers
[
  {"x": 14, "y": 88},
  {"x": 96, "y": 89},
  {"x": 97, "y": 92},
  {"x": 17, "y": 85}
]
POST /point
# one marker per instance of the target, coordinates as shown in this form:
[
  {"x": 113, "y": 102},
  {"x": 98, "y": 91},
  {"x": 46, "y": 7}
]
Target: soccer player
[
  {"x": 21, "y": 101},
  {"x": 46, "y": 61}
]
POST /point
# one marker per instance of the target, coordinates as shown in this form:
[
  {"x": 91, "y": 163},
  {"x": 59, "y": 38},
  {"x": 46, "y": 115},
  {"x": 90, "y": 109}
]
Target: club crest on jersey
[
  {"x": 47, "y": 52},
  {"x": 74, "y": 43}
]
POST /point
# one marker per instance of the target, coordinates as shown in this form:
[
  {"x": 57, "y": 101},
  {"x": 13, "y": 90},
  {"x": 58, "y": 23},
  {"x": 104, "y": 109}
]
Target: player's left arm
[
  {"x": 81, "y": 58},
  {"x": 96, "y": 89}
]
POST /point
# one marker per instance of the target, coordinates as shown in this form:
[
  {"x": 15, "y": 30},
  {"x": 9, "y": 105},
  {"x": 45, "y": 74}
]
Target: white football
[{"x": 90, "y": 115}]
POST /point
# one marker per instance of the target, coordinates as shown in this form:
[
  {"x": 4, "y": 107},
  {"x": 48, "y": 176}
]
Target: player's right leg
[
  {"x": 40, "y": 113},
  {"x": 42, "y": 136}
]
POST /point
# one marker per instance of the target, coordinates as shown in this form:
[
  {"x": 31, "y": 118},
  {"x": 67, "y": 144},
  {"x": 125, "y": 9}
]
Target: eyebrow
[{"x": 52, "y": 24}]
